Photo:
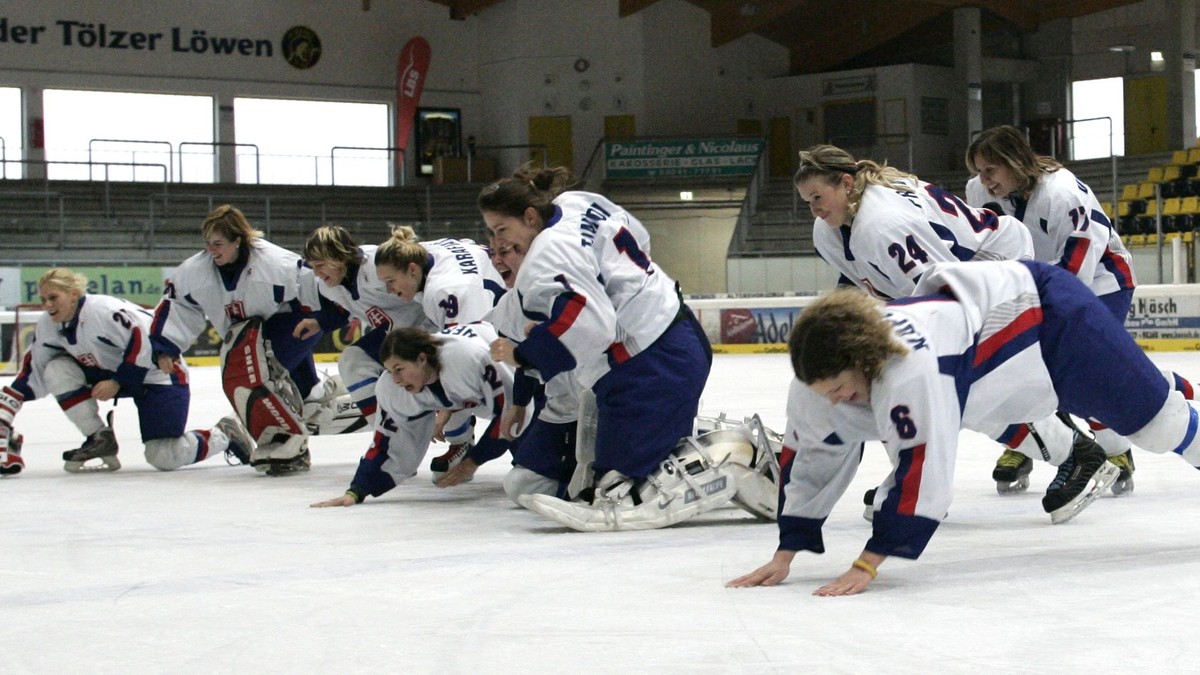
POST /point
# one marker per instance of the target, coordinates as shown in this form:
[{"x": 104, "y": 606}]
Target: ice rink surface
[{"x": 217, "y": 569}]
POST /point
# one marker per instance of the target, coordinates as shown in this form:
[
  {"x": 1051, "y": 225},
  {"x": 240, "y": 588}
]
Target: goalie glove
[
  {"x": 11, "y": 461},
  {"x": 10, "y": 403}
]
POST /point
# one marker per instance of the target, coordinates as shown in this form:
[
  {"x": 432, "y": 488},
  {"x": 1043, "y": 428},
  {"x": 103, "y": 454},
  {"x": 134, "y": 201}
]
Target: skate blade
[
  {"x": 1015, "y": 488},
  {"x": 1104, "y": 477},
  {"x": 107, "y": 465},
  {"x": 1122, "y": 488},
  {"x": 587, "y": 518}
]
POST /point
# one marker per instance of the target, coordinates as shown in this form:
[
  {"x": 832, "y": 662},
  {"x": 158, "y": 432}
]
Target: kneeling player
[{"x": 91, "y": 348}]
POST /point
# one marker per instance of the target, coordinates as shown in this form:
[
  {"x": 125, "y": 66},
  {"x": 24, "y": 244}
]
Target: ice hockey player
[
  {"x": 90, "y": 348},
  {"x": 254, "y": 293},
  {"x": 980, "y": 345}
]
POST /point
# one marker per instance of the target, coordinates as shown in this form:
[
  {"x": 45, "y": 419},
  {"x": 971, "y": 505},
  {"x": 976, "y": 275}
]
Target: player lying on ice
[
  {"x": 981, "y": 345},
  {"x": 427, "y": 373},
  {"x": 89, "y": 348}
]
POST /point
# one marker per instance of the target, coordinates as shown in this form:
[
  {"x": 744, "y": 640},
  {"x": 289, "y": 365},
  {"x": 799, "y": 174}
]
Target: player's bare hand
[
  {"x": 502, "y": 350},
  {"x": 459, "y": 473},
  {"x": 770, "y": 574},
  {"x": 166, "y": 363},
  {"x": 306, "y": 328},
  {"x": 440, "y": 418},
  {"x": 852, "y": 581},
  {"x": 345, "y": 500},
  {"x": 105, "y": 390}
]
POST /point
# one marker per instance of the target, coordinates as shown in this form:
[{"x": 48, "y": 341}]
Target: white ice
[{"x": 215, "y": 568}]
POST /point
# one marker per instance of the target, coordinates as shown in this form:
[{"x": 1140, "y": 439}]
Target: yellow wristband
[{"x": 866, "y": 567}]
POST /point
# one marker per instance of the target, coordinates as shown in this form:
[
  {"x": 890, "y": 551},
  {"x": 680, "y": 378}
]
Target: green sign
[
  {"x": 143, "y": 285},
  {"x": 682, "y": 157}
]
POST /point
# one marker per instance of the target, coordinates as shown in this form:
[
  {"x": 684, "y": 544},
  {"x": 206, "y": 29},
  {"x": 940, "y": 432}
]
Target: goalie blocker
[
  {"x": 726, "y": 464},
  {"x": 266, "y": 399}
]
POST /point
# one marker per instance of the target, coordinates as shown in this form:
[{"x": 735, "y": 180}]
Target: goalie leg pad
[
  {"x": 11, "y": 461},
  {"x": 257, "y": 386},
  {"x": 692, "y": 480}
]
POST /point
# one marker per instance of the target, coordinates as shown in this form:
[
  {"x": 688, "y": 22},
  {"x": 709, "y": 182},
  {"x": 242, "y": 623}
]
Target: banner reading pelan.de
[
  {"x": 682, "y": 157},
  {"x": 143, "y": 285}
]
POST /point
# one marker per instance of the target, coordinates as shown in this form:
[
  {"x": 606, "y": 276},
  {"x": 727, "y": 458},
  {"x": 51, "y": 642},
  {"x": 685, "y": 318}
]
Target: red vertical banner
[{"x": 410, "y": 82}]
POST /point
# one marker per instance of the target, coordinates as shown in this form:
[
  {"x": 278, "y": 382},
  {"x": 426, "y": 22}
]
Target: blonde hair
[
  {"x": 332, "y": 243},
  {"x": 830, "y": 163},
  {"x": 64, "y": 279},
  {"x": 401, "y": 249}
]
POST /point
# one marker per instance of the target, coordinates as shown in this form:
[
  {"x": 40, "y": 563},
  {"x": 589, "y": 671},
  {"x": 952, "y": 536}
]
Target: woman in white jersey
[
  {"x": 90, "y": 348},
  {"x": 882, "y": 228},
  {"x": 1069, "y": 229},
  {"x": 603, "y": 309},
  {"x": 978, "y": 345}
]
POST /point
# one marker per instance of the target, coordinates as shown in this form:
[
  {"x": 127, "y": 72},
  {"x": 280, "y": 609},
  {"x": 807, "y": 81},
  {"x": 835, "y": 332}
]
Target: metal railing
[
  {"x": 222, "y": 144},
  {"x": 401, "y": 174},
  {"x": 170, "y": 151}
]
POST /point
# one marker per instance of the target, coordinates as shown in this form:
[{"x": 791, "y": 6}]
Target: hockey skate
[
  {"x": 329, "y": 409},
  {"x": 448, "y": 460},
  {"x": 1123, "y": 485},
  {"x": 101, "y": 445},
  {"x": 240, "y": 444},
  {"x": 1012, "y": 473},
  {"x": 869, "y": 505},
  {"x": 284, "y": 455},
  {"x": 1080, "y": 480}
]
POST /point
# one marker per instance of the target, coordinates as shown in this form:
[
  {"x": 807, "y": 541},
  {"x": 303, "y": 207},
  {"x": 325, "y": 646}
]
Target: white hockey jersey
[
  {"x": 1069, "y": 229},
  {"x": 589, "y": 282},
  {"x": 273, "y": 281},
  {"x": 108, "y": 337},
  {"x": 368, "y": 300},
  {"x": 469, "y": 381},
  {"x": 974, "y": 362},
  {"x": 895, "y": 236},
  {"x": 461, "y": 284}
]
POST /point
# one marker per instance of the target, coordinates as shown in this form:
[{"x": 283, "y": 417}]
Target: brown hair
[
  {"x": 842, "y": 330},
  {"x": 230, "y": 223},
  {"x": 409, "y": 343},
  {"x": 524, "y": 189},
  {"x": 1007, "y": 146}
]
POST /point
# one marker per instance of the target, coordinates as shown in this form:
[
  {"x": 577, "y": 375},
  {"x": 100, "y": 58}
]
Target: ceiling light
[
  {"x": 685, "y": 196},
  {"x": 1122, "y": 48},
  {"x": 1156, "y": 57}
]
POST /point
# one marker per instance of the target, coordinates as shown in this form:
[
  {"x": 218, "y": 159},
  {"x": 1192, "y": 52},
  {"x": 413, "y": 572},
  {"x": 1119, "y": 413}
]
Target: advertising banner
[{"x": 682, "y": 157}]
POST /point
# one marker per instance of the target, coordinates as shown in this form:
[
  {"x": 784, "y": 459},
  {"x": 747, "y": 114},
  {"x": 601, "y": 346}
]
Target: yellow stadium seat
[
  {"x": 1155, "y": 174},
  {"x": 1129, "y": 191},
  {"x": 1193, "y": 156},
  {"x": 1146, "y": 190},
  {"x": 1179, "y": 157},
  {"x": 1170, "y": 172},
  {"x": 1190, "y": 205},
  {"x": 1122, "y": 208}
]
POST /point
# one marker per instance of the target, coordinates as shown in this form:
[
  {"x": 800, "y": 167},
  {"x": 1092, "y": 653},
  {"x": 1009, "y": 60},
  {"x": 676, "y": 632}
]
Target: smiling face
[
  {"x": 404, "y": 283},
  {"x": 997, "y": 178},
  {"x": 222, "y": 250},
  {"x": 828, "y": 201},
  {"x": 328, "y": 271},
  {"x": 412, "y": 375},
  {"x": 506, "y": 258},
  {"x": 518, "y": 232},
  {"x": 58, "y": 302},
  {"x": 848, "y": 386}
]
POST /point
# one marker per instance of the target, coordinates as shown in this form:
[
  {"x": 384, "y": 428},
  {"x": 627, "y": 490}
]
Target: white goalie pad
[
  {"x": 258, "y": 387},
  {"x": 703, "y": 473}
]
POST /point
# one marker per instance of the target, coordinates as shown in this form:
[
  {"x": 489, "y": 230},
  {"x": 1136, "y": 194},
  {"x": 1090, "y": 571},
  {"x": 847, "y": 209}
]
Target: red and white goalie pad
[
  {"x": 11, "y": 462},
  {"x": 10, "y": 404},
  {"x": 259, "y": 389}
]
